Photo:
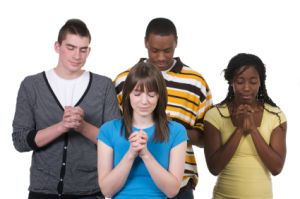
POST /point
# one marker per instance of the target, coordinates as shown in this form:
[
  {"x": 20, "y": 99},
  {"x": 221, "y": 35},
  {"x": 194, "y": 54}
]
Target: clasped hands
[
  {"x": 138, "y": 143},
  {"x": 244, "y": 118},
  {"x": 73, "y": 118}
]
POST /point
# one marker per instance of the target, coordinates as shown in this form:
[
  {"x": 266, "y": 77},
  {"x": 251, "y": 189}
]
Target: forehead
[
  {"x": 160, "y": 41},
  {"x": 76, "y": 40},
  {"x": 247, "y": 71}
]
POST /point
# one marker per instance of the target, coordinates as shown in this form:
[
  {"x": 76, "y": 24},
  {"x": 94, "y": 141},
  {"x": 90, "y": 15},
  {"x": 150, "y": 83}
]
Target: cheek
[
  {"x": 65, "y": 54},
  {"x": 257, "y": 90},
  {"x": 133, "y": 104},
  {"x": 152, "y": 56},
  {"x": 84, "y": 55},
  {"x": 236, "y": 89},
  {"x": 154, "y": 102},
  {"x": 132, "y": 99},
  {"x": 170, "y": 54}
]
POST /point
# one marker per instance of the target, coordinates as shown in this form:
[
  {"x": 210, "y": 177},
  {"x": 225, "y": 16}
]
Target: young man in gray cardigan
[{"x": 58, "y": 113}]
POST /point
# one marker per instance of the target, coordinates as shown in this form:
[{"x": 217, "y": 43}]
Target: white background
[{"x": 210, "y": 33}]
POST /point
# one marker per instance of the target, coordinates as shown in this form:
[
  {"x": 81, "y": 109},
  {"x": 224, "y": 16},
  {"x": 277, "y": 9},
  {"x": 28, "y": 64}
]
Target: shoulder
[
  {"x": 33, "y": 80},
  {"x": 216, "y": 114},
  {"x": 274, "y": 111},
  {"x": 34, "y": 77},
  {"x": 185, "y": 75},
  {"x": 192, "y": 74},
  {"x": 100, "y": 82},
  {"x": 185, "y": 69},
  {"x": 101, "y": 78},
  {"x": 217, "y": 110},
  {"x": 107, "y": 132},
  {"x": 176, "y": 126},
  {"x": 115, "y": 123},
  {"x": 178, "y": 133},
  {"x": 121, "y": 77}
]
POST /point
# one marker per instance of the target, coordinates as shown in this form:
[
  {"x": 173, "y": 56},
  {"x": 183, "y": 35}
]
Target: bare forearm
[
  {"x": 196, "y": 137},
  {"x": 217, "y": 161},
  {"x": 115, "y": 180},
  {"x": 272, "y": 160},
  {"x": 47, "y": 135},
  {"x": 89, "y": 131},
  {"x": 165, "y": 180}
]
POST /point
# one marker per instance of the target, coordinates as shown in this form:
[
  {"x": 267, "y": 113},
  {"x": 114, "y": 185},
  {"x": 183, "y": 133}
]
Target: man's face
[
  {"x": 161, "y": 50},
  {"x": 73, "y": 52}
]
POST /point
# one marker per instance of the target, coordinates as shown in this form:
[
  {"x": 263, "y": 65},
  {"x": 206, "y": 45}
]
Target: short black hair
[{"x": 161, "y": 26}]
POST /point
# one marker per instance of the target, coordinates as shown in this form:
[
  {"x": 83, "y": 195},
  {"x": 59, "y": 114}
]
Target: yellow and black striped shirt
[{"x": 189, "y": 98}]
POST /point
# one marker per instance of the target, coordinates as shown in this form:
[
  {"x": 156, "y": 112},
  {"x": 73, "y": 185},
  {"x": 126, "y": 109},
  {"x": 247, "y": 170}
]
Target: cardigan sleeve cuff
[{"x": 30, "y": 140}]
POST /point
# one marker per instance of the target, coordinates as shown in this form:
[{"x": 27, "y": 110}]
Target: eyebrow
[
  {"x": 70, "y": 45},
  {"x": 152, "y": 47}
]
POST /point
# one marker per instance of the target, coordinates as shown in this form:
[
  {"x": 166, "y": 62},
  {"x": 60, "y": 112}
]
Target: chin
[
  {"x": 248, "y": 101},
  {"x": 144, "y": 114}
]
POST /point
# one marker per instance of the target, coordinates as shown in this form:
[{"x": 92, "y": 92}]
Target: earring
[{"x": 259, "y": 96}]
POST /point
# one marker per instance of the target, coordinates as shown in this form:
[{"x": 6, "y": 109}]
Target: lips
[
  {"x": 144, "y": 109},
  {"x": 246, "y": 96},
  {"x": 76, "y": 64},
  {"x": 161, "y": 64}
]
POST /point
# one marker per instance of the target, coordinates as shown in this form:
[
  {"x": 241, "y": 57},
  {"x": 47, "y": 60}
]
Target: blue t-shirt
[{"x": 139, "y": 183}]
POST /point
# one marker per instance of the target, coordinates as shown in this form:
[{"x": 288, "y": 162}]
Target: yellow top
[{"x": 245, "y": 176}]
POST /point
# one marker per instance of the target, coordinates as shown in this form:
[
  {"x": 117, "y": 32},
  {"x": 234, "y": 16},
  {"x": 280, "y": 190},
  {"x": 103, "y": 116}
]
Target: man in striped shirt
[{"x": 189, "y": 96}]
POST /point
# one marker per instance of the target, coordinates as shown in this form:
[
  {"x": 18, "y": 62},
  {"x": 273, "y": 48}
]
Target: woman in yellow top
[{"x": 245, "y": 134}]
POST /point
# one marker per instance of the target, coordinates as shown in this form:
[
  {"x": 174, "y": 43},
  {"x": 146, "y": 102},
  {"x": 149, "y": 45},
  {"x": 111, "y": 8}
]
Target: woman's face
[
  {"x": 143, "y": 102},
  {"x": 246, "y": 85}
]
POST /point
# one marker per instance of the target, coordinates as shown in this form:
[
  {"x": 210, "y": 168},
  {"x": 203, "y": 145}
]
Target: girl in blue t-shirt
[{"x": 142, "y": 155}]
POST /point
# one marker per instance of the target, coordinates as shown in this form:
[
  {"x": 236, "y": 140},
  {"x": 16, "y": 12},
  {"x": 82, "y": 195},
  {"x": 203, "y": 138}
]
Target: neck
[
  {"x": 142, "y": 122},
  {"x": 255, "y": 105},
  {"x": 65, "y": 74}
]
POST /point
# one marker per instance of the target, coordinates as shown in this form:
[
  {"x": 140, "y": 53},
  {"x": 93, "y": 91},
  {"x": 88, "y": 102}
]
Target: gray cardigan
[{"x": 68, "y": 165}]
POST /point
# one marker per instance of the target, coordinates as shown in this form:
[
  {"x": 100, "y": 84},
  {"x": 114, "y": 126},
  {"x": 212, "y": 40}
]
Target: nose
[
  {"x": 144, "y": 98},
  {"x": 247, "y": 86},
  {"x": 161, "y": 56},
  {"x": 77, "y": 54}
]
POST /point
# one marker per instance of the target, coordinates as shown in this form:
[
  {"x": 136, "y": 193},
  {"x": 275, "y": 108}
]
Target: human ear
[{"x": 56, "y": 46}]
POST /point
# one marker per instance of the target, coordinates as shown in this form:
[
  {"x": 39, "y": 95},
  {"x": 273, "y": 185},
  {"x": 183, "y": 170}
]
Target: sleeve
[
  {"x": 119, "y": 83},
  {"x": 212, "y": 116},
  {"x": 279, "y": 118},
  {"x": 204, "y": 105},
  {"x": 105, "y": 134},
  {"x": 179, "y": 132},
  {"x": 24, "y": 131},
  {"x": 282, "y": 117},
  {"x": 111, "y": 108}
]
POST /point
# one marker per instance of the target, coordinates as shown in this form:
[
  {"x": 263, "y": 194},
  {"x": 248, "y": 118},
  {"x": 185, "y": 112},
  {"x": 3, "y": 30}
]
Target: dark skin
[
  {"x": 196, "y": 137},
  {"x": 161, "y": 52},
  {"x": 246, "y": 115}
]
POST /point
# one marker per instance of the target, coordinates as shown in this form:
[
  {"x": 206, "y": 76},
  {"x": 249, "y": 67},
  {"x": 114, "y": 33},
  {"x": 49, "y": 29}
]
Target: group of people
[{"x": 93, "y": 138}]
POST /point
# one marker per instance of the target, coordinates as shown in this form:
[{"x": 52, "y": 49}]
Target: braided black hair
[
  {"x": 244, "y": 61},
  {"x": 238, "y": 62}
]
